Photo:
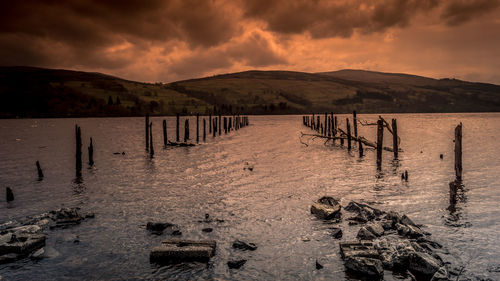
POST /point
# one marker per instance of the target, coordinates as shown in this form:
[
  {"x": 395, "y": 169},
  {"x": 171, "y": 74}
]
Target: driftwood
[
  {"x": 386, "y": 124},
  {"x": 343, "y": 135}
]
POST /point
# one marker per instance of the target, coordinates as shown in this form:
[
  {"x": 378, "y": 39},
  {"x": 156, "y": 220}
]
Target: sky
[{"x": 165, "y": 41}]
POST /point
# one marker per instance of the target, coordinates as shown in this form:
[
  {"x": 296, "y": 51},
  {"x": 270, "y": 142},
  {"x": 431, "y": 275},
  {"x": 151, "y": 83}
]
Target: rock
[
  {"x": 394, "y": 217},
  {"x": 23, "y": 244},
  {"x": 326, "y": 208},
  {"x": 318, "y": 265},
  {"x": 244, "y": 246},
  {"x": 361, "y": 248},
  {"x": 376, "y": 229},
  {"x": 7, "y": 258},
  {"x": 178, "y": 250},
  {"x": 423, "y": 240},
  {"x": 207, "y": 229},
  {"x": 364, "y": 234},
  {"x": 236, "y": 264},
  {"x": 90, "y": 216},
  {"x": 360, "y": 218},
  {"x": 441, "y": 275},
  {"x": 366, "y": 211},
  {"x": 5, "y": 238},
  {"x": 157, "y": 226},
  {"x": 43, "y": 223},
  {"x": 38, "y": 254},
  {"x": 9, "y": 194},
  {"x": 423, "y": 264},
  {"x": 386, "y": 224},
  {"x": 25, "y": 229},
  {"x": 409, "y": 231},
  {"x": 336, "y": 232},
  {"x": 406, "y": 221},
  {"x": 401, "y": 256},
  {"x": 365, "y": 266}
]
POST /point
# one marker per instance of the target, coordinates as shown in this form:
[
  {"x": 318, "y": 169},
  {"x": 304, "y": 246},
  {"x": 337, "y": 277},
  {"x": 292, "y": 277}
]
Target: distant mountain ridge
[{"x": 39, "y": 92}]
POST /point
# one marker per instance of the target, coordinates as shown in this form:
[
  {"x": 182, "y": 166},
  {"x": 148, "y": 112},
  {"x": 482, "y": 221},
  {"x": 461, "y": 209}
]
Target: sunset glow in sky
[{"x": 153, "y": 40}]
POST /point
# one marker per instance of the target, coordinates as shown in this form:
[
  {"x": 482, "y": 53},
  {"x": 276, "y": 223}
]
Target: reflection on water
[{"x": 268, "y": 204}]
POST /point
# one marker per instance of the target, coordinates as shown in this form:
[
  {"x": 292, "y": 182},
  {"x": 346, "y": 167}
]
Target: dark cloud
[{"x": 460, "y": 11}]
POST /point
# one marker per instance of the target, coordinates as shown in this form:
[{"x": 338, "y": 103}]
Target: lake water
[{"x": 268, "y": 206}]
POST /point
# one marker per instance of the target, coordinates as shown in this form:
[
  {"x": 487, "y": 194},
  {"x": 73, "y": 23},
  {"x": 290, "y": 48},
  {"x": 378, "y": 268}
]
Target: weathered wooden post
[
  {"x": 380, "y": 139},
  {"x": 210, "y": 123},
  {"x": 458, "y": 152},
  {"x": 220, "y": 124},
  {"x": 204, "y": 129},
  {"x": 39, "y": 169},
  {"x": 147, "y": 131},
  {"x": 177, "y": 128},
  {"x": 324, "y": 131},
  {"x": 355, "y": 123},
  {"x": 225, "y": 125},
  {"x": 214, "y": 125},
  {"x": 165, "y": 138},
  {"x": 78, "y": 137},
  {"x": 91, "y": 153},
  {"x": 229, "y": 124},
  {"x": 313, "y": 125},
  {"x": 395, "y": 145},
  {"x": 151, "y": 149},
  {"x": 317, "y": 126},
  {"x": 348, "y": 127},
  {"x": 197, "y": 127},
  {"x": 329, "y": 127},
  {"x": 321, "y": 128},
  {"x": 360, "y": 148},
  {"x": 186, "y": 130},
  {"x": 9, "y": 194}
]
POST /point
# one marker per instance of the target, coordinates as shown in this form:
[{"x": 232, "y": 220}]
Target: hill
[{"x": 38, "y": 92}]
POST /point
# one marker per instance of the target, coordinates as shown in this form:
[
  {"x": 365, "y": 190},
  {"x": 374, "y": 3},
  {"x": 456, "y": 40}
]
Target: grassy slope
[{"x": 36, "y": 92}]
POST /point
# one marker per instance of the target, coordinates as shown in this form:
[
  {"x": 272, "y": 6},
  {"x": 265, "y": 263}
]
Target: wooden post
[
  {"x": 151, "y": 149},
  {"x": 177, "y": 128},
  {"x": 317, "y": 124},
  {"x": 324, "y": 131},
  {"x": 458, "y": 152},
  {"x": 225, "y": 125},
  {"x": 165, "y": 138},
  {"x": 220, "y": 123},
  {"x": 186, "y": 130},
  {"x": 395, "y": 145},
  {"x": 380, "y": 139},
  {"x": 229, "y": 124},
  {"x": 204, "y": 129},
  {"x": 91, "y": 153},
  {"x": 335, "y": 126},
  {"x": 355, "y": 123},
  {"x": 360, "y": 148},
  {"x": 9, "y": 194},
  {"x": 210, "y": 123},
  {"x": 78, "y": 137},
  {"x": 329, "y": 126},
  {"x": 147, "y": 131},
  {"x": 348, "y": 125},
  {"x": 214, "y": 125},
  {"x": 197, "y": 127},
  {"x": 39, "y": 169},
  {"x": 313, "y": 123},
  {"x": 321, "y": 128}
]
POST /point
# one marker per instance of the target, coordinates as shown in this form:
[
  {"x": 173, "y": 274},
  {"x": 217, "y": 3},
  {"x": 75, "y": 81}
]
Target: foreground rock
[
  {"x": 326, "y": 208},
  {"x": 365, "y": 266},
  {"x": 20, "y": 246},
  {"x": 364, "y": 212},
  {"x": 178, "y": 250},
  {"x": 236, "y": 264},
  {"x": 159, "y": 228},
  {"x": 238, "y": 244}
]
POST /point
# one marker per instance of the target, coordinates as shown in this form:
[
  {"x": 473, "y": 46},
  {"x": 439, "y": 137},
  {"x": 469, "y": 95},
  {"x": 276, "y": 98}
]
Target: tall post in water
[
  {"x": 220, "y": 123},
  {"x": 324, "y": 126},
  {"x": 313, "y": 125},
  {"x": 78, "y": 137},
  {"x": 355, "y": 123},
  {"x": 91, "y": 153},
  {"x": 197, "y": 127},
  {"x": 225, "y": 125},
  {"x": 186, "y": 130},
  {"x": 210, "y": 123},
  {"x": 348, "y": 125},
  {"x": 177, "y": 128},
  {"x": 147, "y": 130},
  {"x": 458, "y": 152},
  {"x": 39, "y": 169},
  {"x": 395, "y": 145},
  {"x": 204, "y": 129},
  {"x": 329, "y": 127},
  {"x": 214, "y": 125},
  {"x": 317, "y": 125},
  {"x": 360, "y": 148},
  {"x": 380, "y": 140},
  {"x": 151, "y": 149},
  {"x": 165, "y": 138}
]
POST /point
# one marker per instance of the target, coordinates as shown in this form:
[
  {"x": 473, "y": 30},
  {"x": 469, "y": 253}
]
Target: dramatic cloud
[{"x": 155, "y": 40}]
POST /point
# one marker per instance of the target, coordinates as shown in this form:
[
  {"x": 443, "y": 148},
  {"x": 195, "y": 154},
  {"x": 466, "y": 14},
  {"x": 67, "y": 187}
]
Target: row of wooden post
[{"x": 329, "y": 128}]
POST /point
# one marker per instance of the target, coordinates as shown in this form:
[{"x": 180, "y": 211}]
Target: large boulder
[
  {"x": 326, "y": 208},
  {"x": 365, "y": 266},
  {"x": 423, "y": 264}
]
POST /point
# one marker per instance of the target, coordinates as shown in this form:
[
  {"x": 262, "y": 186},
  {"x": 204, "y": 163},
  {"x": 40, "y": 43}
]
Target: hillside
[{"x": 37, "y": 92}]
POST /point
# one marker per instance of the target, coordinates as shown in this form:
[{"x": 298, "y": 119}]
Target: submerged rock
[
  {"x": 441, "y": 275},
  {"x": 237, "y": 264},
  {"x": 177, "y": 250},
  {"x": 336, "y": 232},
  {"x": 365, "y": 266},
  {"x": 326, "y": 208},
  {"x": 159, "y": 228},
  {"x": 318, "y": 265},
  {"x": 238, "y": 244},
  {"x": 22, "y": 244}
]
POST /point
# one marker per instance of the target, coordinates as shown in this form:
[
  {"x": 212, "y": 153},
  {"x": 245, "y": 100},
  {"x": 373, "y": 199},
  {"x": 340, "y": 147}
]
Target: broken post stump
[
  {"x": 151, "y": 149},
  {"x": 39, "y": 169},
  {"x": 348, "y": 125},
  {"x": 225, "y": 125},
  {"x": 78, "y": 156},
  {"x": 147, "y": 131},
  {"x": 165, "y": 139},
  {"x": 204, "y": 129},
  {"x": 91, "y": 153},
  {"x": 220, "y": 124},
  {"x": 214, "y": 125},
  {"x": 179, "y": 250},
  {"x": 186, "y": 130},
  {"x": 9, "y": 194},
  {"x": 395, "y": 145},
  {"x": 177, "y": 128},
  {"x": 210, "y": 123},
  {"x": 458, "y": 152},
  {"x": 360, "y": 148},
  {"x": 197, "y": 127},
  {"x": 380, "y": 138}
]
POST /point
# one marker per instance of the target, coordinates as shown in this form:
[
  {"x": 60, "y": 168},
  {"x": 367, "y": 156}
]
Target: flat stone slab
[
  {"x": 180, "y": 250},
  {"x": 23, "y": 244},
  {"x": 361, "y": 248}
]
